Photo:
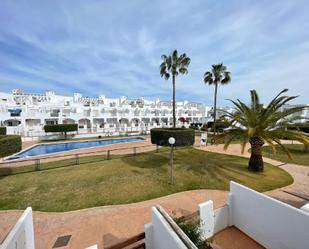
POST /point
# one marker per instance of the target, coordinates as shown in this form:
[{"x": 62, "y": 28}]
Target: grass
[
  {"x": 131, "y": 179},
  {"x": 297, "y": 151}
]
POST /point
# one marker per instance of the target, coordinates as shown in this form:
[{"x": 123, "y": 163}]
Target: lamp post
[{"x": 172, "y": 141}]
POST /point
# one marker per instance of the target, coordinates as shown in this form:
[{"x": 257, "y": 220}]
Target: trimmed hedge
[
  {"x": 183, "y": 136},
  {"x": 220, "y": 125},
  {"x": 301, "y": 127},
  {"x": 60, "y": 128},
  {"x": 2, "y": 130},
  {"x": 64, "y": 128},
  {"x": 9, "y": 144}
]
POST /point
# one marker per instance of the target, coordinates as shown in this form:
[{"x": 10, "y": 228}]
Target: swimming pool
[{"x": 42, "y": 149}]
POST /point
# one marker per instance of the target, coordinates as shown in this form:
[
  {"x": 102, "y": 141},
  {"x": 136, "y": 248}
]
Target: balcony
[{"x": 53, "y": 114}]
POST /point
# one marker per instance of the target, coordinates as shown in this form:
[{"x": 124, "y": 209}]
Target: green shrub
[
  {"x": 64, "y": 128},
  {"x": 183, "y": 136},
  {"x": 2, "y": 130},
  {"x": 301, "y": 127},
  {"x": 195, "y": 126},
  {"x": 220, "y": 125},
  {"x": 204, "y": 127},
  {"x": 192, "y": 229},
  {"x": 9, "y": 144}
]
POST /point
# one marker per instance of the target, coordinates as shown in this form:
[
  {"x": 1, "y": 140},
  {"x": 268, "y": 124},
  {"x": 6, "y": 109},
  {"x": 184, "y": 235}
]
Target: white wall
[
  {"x": 212, "y": 221},
  {"x": 272, "y": 223},
  {"x": 207, "y": 220},
  {"x": 21, "y": 236},
  {"x": 160, "y": 235}
]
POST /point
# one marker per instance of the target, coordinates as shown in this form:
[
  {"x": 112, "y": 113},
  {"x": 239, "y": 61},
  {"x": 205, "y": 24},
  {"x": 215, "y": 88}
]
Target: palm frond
[{"x": 269, "y": 123}]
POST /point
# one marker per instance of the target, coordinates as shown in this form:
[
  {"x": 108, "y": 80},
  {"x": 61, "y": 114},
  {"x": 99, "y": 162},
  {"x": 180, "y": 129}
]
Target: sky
[{"x": 114, "y": 47}]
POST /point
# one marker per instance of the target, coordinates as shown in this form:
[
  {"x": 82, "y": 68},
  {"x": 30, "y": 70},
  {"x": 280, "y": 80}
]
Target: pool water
[{"x": 42, "y": 149}]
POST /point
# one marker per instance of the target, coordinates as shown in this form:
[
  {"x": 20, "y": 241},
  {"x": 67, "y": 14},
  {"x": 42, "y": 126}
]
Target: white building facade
[{"x": 26, "y": 114}]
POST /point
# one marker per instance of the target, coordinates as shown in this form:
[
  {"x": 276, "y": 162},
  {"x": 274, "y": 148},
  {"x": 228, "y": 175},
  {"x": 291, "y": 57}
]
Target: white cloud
[{"x": 115, "y": 46}]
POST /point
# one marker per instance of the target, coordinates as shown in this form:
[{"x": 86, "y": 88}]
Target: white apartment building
[{"x": 26, "y": 114}]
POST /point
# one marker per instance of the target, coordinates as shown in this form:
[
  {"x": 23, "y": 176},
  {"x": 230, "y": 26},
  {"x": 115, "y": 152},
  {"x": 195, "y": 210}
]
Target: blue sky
[{"x": 114, "y": 47}]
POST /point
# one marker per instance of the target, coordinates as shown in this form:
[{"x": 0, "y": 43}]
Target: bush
[
  {"x": 220, "y": 125},
  {"x": 183, "y": 136},
  {"x": 2, "y": 130},
  {"x": 301, "y": 127},
  {"x": 195, "y": 126},
  {"x": 64, "y": 128},
  {"x": 204, "y": 127},
  {"x": 9, "y": 144},
  {"x": 192, "y": 229}
]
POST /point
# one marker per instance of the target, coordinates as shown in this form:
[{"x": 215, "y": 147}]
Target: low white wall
[
  {"x": 92, "y": 247},
  {"x": 160, "y": 235},
  {"x": 273, "y": 224},
  {"x": 212, "y": 221},
  {"x": 220, "y": 219},
  {"x": 21, "y": 236},
  {"x": 207, "y": 221}
]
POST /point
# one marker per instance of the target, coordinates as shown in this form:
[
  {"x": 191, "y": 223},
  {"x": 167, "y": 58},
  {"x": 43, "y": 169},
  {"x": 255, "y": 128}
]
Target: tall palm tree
[
  {"x": 257, "y": 124},
  {"x": 172, "y": 65},
  {"x": 217, "y": 76}
]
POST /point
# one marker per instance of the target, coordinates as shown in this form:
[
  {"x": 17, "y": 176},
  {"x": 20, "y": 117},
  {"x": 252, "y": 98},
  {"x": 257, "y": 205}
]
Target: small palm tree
[
  {"x": 218, "y": 75},
  {"x": 172, "y": 65},
  {"x": 257, "y": 124}
]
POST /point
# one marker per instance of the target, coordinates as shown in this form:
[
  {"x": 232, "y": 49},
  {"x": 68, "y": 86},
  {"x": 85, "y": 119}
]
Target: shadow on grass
[{"x": 153, "y": 160}]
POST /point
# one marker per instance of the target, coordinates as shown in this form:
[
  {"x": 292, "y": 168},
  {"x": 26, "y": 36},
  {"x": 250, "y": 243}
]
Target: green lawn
[
  {"x": 131, "y": 179},
  {"x": 297, "y": 151}
]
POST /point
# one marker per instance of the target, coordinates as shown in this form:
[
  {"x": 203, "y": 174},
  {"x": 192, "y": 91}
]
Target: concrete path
[{"x": 296, "y": 194}]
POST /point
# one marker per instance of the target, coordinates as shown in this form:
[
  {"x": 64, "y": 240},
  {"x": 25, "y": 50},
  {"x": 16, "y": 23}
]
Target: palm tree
[
  {"x": 218, "y": 75},
  {"x": 257, "y": 124},
  {"x": 173, "y": 65}
]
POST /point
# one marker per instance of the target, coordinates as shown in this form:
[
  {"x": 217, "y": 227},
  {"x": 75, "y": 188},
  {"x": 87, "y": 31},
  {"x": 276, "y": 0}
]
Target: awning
[{"x": 15, "y": 111}]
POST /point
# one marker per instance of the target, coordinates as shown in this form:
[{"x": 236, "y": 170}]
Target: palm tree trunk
[
  {"x": 174, "y": 102},
  {"x": 215, "y": 108},
  {"x": 306, "y": 148},
  {"x": 256, "y": 160}
]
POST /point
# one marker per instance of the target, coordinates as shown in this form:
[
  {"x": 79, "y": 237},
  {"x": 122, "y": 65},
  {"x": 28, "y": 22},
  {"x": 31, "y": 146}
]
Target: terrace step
[{"x": 135, "y": 242}]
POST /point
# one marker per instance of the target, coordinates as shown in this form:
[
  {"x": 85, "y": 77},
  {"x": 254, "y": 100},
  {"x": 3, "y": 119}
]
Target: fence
[{"x": 10, "y": 167}]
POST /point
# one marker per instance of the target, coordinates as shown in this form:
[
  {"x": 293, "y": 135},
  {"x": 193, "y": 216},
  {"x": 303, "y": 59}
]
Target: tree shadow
[{"x": 153, "y": 160}]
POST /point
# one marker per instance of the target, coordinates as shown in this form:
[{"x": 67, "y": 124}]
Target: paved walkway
[{"x": 296, "y": 194}]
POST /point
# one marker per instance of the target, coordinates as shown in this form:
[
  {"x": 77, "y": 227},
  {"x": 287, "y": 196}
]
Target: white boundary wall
[
  {"x": 272, "y": 223},
  {"x": 21, "y": 236}
]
